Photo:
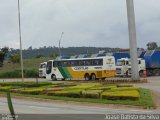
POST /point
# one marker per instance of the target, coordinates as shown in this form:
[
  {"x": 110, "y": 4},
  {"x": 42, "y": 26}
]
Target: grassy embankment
[
  {"x": 10, "y": 70},
  {"x": 83, "y": 92}
]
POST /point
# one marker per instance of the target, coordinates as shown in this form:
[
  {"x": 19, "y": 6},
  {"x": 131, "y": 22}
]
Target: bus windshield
[
  {"x": 42, "y": 66},
  {"x": 120, "y": 63},
  {"x": 49, "y": 67}
]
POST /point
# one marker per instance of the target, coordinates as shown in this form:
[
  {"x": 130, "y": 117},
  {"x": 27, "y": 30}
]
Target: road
[{"x": 23, "y": 106}]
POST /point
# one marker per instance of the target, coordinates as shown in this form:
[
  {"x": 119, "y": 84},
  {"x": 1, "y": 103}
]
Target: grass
[
  {"x": 78, "y": 94},
  {"x": 28, "y": 64},
  {"x": 145, "y": 99},
  {"x": 10, "y": 70}
]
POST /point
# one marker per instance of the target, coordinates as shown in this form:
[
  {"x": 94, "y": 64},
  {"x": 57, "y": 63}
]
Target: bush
[
  {"x": 28, "y": 73},
  {"x": 81, "y": 87},
  {"x": 15, "y": 58},
  {"x": 124, "y": 85},
  {"x": 33, "y": 91},
  {"x": 74, "y": 94},
  {"x": 25, "y": 84},
  {"x": 11, "y": 74},
  {"x": 31, "y": 73},
  {"x": 5, "y": 88},
  {"x": 124, "y": 89},
  {"x": 64, "y": 84},
  {"x": 91, "y": 93},
  {"x": 102, "y": 87},
  {"x": 121, "y": 95}
]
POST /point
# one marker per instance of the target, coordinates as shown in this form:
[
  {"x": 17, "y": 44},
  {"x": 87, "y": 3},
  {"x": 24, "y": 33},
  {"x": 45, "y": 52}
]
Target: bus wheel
[
  {"x": 93, "y": 76},
  {"x": 53, "y": 77},
  {"x": 86, "y": 76}
]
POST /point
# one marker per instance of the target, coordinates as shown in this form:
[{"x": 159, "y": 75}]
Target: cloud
[{"x": 101, "y": 23}]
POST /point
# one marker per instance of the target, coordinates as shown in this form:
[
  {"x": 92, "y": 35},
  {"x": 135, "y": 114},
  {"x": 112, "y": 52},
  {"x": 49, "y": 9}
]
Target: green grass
[
  {"x": 10, "y": 70},
  {"x": 145, "y": 100},
  {"x": 28, "y": 64},
  {"x": 45, "y": 90}
]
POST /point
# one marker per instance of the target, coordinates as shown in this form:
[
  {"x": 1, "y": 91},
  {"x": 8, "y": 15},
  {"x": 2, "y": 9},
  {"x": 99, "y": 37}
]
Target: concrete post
[
  {"x": 132, "y": 39},
  {"x": 20, "y": 38}
]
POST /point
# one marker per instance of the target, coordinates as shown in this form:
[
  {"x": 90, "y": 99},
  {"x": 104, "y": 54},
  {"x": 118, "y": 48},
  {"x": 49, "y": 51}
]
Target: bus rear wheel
[
  {"x": 53, "y": 77},
  {"x": 86, "y": 76},
  {"x": 93, "y": 76}
]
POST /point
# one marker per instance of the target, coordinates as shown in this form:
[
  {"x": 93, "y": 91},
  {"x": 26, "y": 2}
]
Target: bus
[
  {"x": 42, "y": 70},
  {"x": 81, "y": 68}
]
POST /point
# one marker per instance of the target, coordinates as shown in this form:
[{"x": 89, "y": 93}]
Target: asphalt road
[{"x": 32, "y": 109}]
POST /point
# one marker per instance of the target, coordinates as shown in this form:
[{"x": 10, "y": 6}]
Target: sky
[{"x": 94, "y": 23}]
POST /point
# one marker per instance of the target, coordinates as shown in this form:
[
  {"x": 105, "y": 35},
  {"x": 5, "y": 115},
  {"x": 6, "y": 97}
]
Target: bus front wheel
[{"x": 53, "y": 77}]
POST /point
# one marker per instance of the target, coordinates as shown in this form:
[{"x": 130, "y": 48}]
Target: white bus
[
  {"x": 42, "y": 70},
  {"x": 76, "y": 68}
]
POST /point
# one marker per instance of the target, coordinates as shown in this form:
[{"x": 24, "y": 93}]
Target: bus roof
[{"x": 84, "y": 58}]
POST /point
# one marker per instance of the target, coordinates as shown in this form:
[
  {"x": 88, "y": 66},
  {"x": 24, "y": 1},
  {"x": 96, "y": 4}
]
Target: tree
[
  {"x": 54, "y": 55},
  {"x": 39, "y": 56},
  {"x": 152, "y": 46},
  {"x": 15, "y": 58},
  {"x": 3, "y": 53}
]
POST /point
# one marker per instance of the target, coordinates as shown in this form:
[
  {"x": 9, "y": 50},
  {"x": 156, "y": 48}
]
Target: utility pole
[
  {"x": 132, "y": 39},
  {"x": 60, "y": 44},
  {"x": 20, "y": 39}
]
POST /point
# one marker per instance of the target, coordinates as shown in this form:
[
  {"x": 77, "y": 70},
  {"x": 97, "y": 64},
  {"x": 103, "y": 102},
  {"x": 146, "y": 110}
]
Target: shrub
[
  {"x": 81, "y": 87},
  {"x": 64, "y": 84},
  {"x": 5, "y": 88},
  {"x": 31, "y": 73},
  {"x": 25, "y": 84},
  {"x": 103, "y": 87},
  {"x": 124, "y": 89},
  {"x": 11, "y": 74},
  {"x": 91, "y": 93},
  {"x": 28, "y": 73},
  {"x": 121, "y": 95},
  {"x": 33, "y": 91},
  {"x": 124, "y": 85},
  {"x": 74, "y": 94}
]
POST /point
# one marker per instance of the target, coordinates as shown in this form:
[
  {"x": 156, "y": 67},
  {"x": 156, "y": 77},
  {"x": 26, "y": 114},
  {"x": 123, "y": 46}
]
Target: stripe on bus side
[{"x": 65, "y": 73}]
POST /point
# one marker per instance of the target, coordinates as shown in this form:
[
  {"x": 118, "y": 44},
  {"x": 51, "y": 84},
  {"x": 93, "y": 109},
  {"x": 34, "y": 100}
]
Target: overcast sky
[{"x": 97, "y": 23}]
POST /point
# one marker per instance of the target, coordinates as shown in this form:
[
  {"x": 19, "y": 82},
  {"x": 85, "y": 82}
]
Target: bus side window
[
  {"x": 139, "y": 62},
  {"x": 101, "y": 62},
  {"x": 87, "y": 63},
  {"x": 59, "y": 64},
  {"x": 123, "y": 62},
  {"x": 91, "y": 62},
  {"x": 72, "y": 63},
  {"x": 68, "y": 63},
  {"x": 81, "y": 63},
  {"x": 76, "y": 63},
  {"x": 127, "y": 63}
]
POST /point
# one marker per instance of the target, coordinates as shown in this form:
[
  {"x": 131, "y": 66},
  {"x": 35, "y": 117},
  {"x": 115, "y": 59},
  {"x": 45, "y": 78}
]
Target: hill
[{"x": 48, "y": 51}]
